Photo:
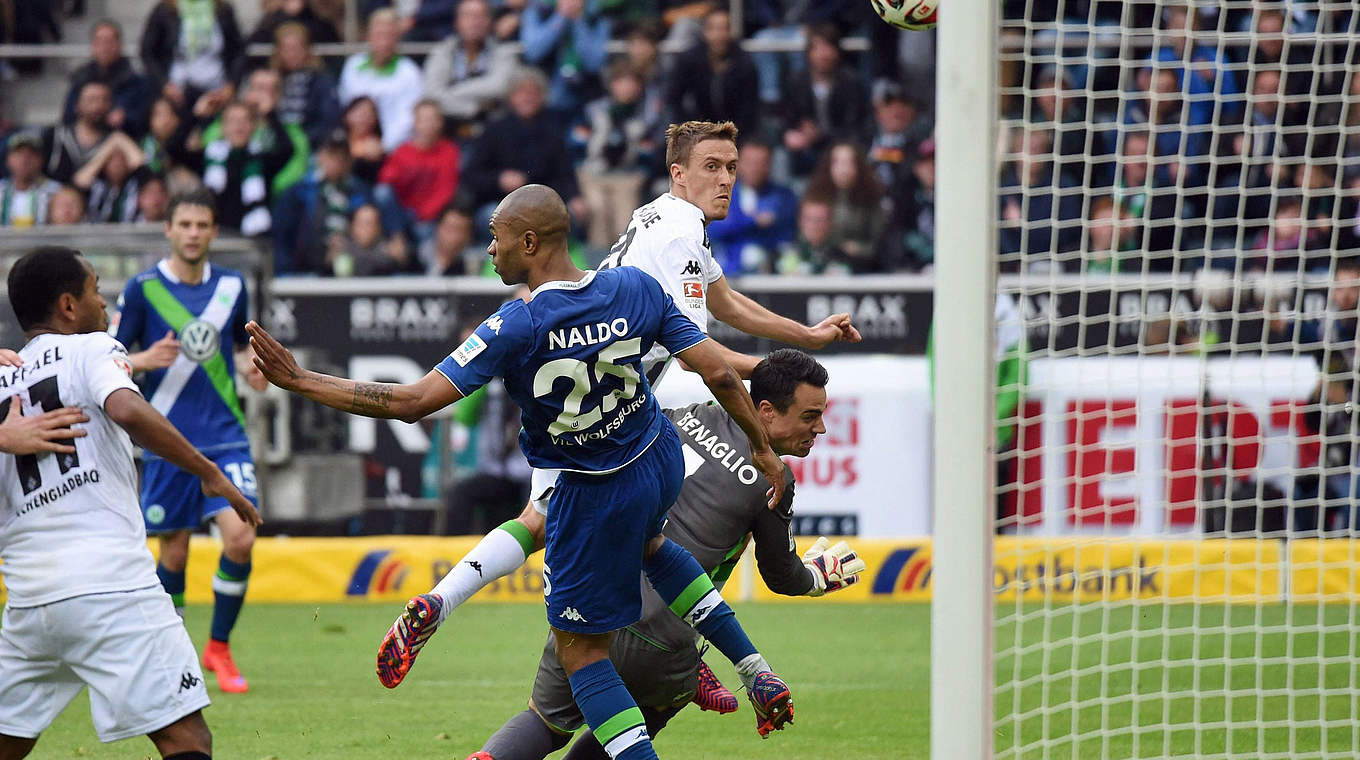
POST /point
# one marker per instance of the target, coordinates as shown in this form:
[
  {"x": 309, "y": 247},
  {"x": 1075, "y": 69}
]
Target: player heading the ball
[{"x": 588, "y": 411}]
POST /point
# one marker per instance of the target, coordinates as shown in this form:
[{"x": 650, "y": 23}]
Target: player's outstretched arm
[
  {"x": 153, "y": 432},
  {"x": 408, "y": 402},
  {"x": 833, "y": 567},
  {"x": 753, "y": 319},
  {"x": 706, "y": 359},
  {"x": 39, "y": 433},
  {"x": 744, "y": 364}
]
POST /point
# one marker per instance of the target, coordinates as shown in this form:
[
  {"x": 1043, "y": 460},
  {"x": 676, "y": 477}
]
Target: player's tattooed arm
[
  {"x": 373, "y": 396},
  {"x": 408, "y": 402}
]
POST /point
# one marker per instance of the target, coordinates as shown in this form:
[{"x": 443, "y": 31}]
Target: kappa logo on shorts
[
  {"x": 189, "y": 681},
  {"x": 571, "y": 614}
]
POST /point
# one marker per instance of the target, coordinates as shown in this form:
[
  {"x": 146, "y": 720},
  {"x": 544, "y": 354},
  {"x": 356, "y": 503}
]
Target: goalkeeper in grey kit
[{"x": 722, "y": 506}]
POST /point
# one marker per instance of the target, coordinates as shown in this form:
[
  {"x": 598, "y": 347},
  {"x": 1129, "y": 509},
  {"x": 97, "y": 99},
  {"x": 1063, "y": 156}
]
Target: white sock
[
  {"x": 497, "y": 555},
  {"x": 751, "y": 666}
]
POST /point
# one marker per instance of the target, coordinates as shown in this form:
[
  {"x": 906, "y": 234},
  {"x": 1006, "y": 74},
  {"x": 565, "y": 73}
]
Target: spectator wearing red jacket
[{"x": 422, "y": 173}]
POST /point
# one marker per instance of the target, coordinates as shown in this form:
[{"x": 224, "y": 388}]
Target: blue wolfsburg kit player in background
[
  {"x": 571, "y": 360},
  {"x": 84, "y": 605},
  {"x": 192, "y": 381}
]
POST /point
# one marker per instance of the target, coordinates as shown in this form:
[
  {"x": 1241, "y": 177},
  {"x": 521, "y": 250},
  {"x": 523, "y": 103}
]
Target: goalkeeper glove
[{"x": 832, "y": 568}]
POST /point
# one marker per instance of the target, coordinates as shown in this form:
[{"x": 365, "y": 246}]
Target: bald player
[
  {"x": 667, "y": 239},
  {"x": 571, "y": 360}
]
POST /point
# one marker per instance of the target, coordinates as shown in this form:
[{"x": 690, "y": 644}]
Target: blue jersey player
[
  {"x": 571, "y": 359},
  {"x": 190, "y": 317}
]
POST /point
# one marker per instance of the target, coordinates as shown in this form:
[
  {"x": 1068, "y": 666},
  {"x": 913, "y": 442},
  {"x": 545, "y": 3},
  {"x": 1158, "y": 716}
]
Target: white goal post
[{"x": 961, "y": 613}]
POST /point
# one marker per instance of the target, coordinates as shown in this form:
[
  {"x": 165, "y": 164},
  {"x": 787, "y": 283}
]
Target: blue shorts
[
  {"x": 597, "y": 528},
  {"x": 173, "y": 499}
]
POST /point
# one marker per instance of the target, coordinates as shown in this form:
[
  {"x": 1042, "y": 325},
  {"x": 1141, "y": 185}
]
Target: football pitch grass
[
  {"x": 860, "y": 675},
  {"x": 1178, "y": 680}
]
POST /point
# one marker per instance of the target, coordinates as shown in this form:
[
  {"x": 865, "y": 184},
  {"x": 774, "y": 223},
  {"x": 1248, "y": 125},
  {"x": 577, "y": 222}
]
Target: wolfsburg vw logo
[{"x": 198, "y": 341}]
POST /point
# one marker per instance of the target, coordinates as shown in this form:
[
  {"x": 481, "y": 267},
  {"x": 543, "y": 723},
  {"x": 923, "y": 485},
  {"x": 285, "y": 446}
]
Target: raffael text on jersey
[
  {"x": 43, "y": 498},
  {"x": 17, "y": 376}
]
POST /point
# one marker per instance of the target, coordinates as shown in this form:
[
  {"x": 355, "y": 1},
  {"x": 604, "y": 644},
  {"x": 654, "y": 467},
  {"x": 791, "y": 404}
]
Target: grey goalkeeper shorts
[{"x": 656, "y": 678}]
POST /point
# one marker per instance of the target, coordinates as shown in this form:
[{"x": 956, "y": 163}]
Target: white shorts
[
  {"x": 541, "y": 485},
  {"x": 129, "y": 647}
]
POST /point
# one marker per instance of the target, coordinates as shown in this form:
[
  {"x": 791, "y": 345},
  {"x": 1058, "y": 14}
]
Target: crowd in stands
[
  {"x": 1206, "y": 148},
  {"x": 384, "y": 163},
  {"x": 1231, "y": 144}
]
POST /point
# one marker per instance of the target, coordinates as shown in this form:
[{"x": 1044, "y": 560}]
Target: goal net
[{"x": 1176, "y": 492}]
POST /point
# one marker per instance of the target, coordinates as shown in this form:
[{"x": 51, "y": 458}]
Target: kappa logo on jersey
[
  {"x": 694, "y": 290},
  {"x": 468, "y": 351},
  {"x": 571, "y": 614},
  {"x": 199, "y": 341},
  {"x": 691, "y": 268},
  {"x": 495, "y": 323}
]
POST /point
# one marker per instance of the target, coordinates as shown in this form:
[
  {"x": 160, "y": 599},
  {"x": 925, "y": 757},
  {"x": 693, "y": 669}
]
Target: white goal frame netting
[{"x": 1147, "y": 496}]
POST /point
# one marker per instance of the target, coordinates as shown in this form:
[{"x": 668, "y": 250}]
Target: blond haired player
[{"x": 666, "y": 239}]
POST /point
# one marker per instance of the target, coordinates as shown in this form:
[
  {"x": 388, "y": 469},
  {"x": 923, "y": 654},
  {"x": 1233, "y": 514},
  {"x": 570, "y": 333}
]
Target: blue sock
[
  {"x": 681, "y": 581},
  {"x": 229, "y": 593},
  {"x": 611, "y": 713},
  {"x": 173, "y": 583}
]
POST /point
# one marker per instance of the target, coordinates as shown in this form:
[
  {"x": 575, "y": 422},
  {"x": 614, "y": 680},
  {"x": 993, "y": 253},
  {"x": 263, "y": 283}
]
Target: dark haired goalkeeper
[{"x": 722, "y": 506}]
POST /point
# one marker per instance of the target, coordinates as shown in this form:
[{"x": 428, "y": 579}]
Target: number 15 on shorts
[{"x": 242, "y": 476}]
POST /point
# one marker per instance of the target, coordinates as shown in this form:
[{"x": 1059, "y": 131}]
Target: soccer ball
[{"x": 912, "y": 15}]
